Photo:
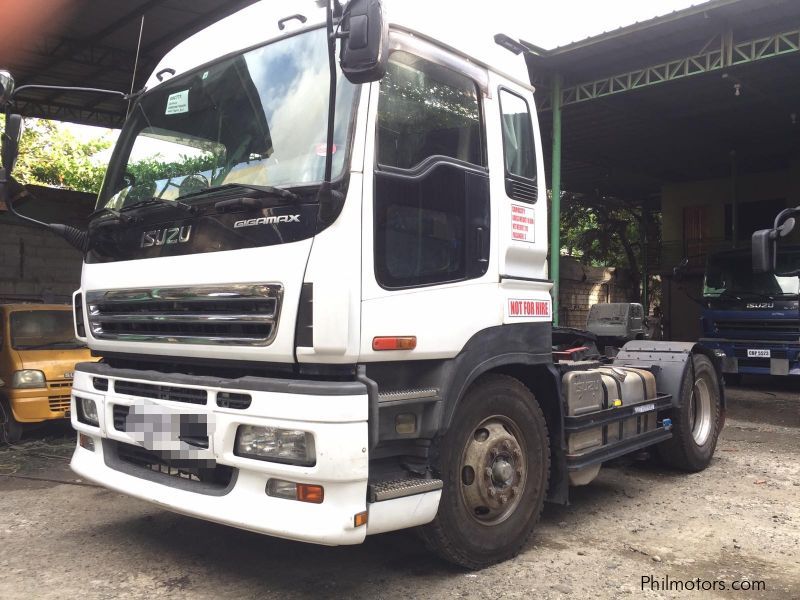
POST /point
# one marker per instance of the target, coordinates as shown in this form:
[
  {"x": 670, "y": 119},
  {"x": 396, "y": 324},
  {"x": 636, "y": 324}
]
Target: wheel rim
[
  {"x": 700, "y": 411},
  {"x": 494, "y": 468}
]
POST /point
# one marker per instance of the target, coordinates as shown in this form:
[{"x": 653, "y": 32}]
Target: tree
[
  {"x": 51, "y": 155},
  {"x": 605, "y": 231}
]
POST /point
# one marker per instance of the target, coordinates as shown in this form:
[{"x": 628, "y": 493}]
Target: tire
[
  {"x": 697, "y": 422},
  {"x": 10, "y": 428},
  {"x": 498, "y": 440}
]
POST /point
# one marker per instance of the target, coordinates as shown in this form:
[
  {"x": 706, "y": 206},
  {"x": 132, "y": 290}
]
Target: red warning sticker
[
  {"x": 528, "y": 308},
  {"x": 522, "y": 223}
]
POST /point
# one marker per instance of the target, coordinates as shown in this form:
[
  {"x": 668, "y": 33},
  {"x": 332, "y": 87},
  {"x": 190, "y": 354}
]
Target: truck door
[
  {"x": 519, "y": 190},
  {"x": 427, "y": 247}
]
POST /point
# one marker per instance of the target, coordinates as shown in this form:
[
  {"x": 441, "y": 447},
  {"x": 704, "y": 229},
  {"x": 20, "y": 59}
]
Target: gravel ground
[{"x": 737, "y": 521}]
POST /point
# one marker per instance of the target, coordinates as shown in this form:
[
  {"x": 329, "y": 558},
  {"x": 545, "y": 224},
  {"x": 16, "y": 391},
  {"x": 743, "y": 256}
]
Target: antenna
[{"x": 135, "y": 65}]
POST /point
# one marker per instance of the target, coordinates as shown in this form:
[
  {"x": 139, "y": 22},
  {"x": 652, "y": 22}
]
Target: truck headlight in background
[
  {"x": 87, "y": 411},
  {"x": 288, "y": 446},
  {"x": 28, "y": 378}
]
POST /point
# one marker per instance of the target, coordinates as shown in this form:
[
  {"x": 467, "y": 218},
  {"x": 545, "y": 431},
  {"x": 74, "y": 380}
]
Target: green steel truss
[{"x": 720, "y": 53}]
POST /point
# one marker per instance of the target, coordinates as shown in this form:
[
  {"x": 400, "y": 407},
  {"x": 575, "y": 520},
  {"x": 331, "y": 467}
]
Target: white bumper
[{"x": 338, "y": 423}]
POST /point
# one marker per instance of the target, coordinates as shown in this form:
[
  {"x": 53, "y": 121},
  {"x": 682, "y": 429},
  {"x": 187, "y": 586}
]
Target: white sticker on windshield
[{"x": 178, "y": 103}]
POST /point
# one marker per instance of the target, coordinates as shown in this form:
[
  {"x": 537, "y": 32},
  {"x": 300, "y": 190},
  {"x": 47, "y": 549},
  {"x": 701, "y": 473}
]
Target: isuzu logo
[
  {"x": 760, "y": 305},
  {"x": 267, "y": 221},
  {"x": 166, "y": 237}
]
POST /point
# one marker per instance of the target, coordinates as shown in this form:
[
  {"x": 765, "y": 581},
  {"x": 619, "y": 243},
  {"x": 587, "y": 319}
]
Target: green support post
[
  {"x": 555, "y": 210},
  {"x": 645, "y": 224}
]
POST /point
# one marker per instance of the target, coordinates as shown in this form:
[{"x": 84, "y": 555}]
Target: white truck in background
[{"x": 324, "y": 310}]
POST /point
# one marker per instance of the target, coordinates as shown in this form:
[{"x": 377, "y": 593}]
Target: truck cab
[
  {"x": 38, "y": 353},
  {"x": 752, "y": 320}
]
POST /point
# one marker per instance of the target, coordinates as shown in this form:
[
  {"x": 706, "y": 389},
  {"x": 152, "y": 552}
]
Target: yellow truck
[{"x": 38, "y": 352}]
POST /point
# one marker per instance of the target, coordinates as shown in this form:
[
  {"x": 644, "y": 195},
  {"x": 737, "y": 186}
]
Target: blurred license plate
[
  {"x": 758, "y": 353},
  {"x": 180, "y": 435}
]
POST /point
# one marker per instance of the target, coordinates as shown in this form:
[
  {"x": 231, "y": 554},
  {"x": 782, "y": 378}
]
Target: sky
[{"x": 546, "y": 23}]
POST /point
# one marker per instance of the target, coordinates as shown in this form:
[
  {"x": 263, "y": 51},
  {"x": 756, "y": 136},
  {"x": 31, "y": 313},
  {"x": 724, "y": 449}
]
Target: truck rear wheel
[
  {"x": 10, "y": 428},
  {"x": 696, "y": 423},
  {"x": 495, "y": 463}
]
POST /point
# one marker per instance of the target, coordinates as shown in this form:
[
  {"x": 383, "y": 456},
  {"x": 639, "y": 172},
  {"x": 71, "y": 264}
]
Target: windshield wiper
[
  {"x": 267, "y": 190},
  {"x": 159, "y": 202},
  {"x": 119, "y": 217}
]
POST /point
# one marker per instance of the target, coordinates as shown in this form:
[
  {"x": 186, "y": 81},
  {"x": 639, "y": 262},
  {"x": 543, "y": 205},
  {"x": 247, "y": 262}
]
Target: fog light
[
  {"x": 86, "y": 442},
  {"x": 87, "y": 411},
  {"x": 405, "y": 423},
  {"x": 287, "y": 446},
  {"x": 288, "y": 490}
]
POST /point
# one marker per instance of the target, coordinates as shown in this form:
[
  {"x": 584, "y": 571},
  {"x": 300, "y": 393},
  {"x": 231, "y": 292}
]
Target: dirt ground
[{"x": 739, "y": 521}]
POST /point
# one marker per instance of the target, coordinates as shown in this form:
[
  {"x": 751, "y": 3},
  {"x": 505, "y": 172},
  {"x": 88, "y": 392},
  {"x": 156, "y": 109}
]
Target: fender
[{"x": 672, "y": 360}]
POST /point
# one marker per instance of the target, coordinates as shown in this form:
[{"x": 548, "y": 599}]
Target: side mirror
[
  {"x": 10, "y": 148},
  {"x": 365, "y": 41},
  {"x": 765, "y": 241}
]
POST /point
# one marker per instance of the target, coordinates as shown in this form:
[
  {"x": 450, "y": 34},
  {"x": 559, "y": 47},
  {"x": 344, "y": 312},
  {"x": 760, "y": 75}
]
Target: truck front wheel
[
  {"x": 696, "y": 423},
  {"x": 494, "y": 462}
]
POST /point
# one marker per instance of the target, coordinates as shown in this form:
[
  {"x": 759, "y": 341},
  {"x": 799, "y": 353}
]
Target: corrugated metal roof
[{"x": 93, "y": 43}]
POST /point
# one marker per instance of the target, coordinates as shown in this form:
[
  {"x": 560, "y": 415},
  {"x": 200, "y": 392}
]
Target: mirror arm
[
  {"x": 77, "y": 238},
  {"x": 66, "y": 88}
]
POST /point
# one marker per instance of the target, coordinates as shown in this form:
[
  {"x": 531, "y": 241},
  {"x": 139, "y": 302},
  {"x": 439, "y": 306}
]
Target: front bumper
[
  {"x": 335, "y": 413},
  {"x": 784, "y": 357},
  {"x": 40, "y": 404}
]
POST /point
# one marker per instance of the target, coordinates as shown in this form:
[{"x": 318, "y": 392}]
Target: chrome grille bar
[{"x": 240, "y": 314}]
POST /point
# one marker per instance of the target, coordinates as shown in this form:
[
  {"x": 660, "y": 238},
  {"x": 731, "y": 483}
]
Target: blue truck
[{"x": 751, "y": 320}]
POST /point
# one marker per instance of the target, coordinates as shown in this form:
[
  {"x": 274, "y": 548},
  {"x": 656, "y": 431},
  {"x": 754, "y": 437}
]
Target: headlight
[
  {"x": 288, "y": 446},
  {"x": 28, "y": 379},
  {"x": 87, "y": 411}
]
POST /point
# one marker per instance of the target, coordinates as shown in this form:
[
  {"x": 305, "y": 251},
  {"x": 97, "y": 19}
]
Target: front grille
[
  {"x": 244, "y": 314},
  {"x": 233, "y": 400},
  {"x": 216, "y": 477},
  {"x": 59, "y": 403},
  {"x": 100, "y": 383},
  {"x": 160, "y": 392},
  {"x": 776, "y": 325},
  {"x": 59, "y": 384}
]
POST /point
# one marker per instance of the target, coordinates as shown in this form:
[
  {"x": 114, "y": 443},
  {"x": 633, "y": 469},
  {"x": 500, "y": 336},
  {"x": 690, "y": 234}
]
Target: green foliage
[
  {"x": 51, "y": 155},
  {"x": 606, "y": 232}
]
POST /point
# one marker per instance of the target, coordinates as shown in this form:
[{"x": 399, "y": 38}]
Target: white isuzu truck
[{"x": 322, "y": 302}]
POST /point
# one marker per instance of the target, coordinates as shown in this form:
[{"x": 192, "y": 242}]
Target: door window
[
  {"x": 519, "y": 147},
  {"x": 431, "y": 185}
]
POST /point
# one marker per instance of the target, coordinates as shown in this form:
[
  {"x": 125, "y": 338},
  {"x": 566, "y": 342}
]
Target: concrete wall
[
  {"x": 36, "y": 264},
  {"x": 583, "y": 286}
]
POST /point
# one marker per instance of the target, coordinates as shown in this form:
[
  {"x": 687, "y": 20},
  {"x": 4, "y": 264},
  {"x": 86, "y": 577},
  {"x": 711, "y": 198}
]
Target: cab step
[{"x": 399, "y": 488}]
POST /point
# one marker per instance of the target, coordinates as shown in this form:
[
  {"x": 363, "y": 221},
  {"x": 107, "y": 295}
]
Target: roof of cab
[{"x": 257, "y": 24}]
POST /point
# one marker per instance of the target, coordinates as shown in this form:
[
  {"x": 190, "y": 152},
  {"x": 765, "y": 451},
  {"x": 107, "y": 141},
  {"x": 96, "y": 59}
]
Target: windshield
[
  {"x": 258, "y": 118},
  {"x": 43, "y": 329},
  {"x": 733, "y": 274}
]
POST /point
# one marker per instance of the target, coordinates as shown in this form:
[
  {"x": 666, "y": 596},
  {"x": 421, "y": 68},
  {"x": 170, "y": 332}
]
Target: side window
[
  {"x": 519, "y": 148},
  {"x": 431, "y": 218},
  {"x": 427, "y": 110}
]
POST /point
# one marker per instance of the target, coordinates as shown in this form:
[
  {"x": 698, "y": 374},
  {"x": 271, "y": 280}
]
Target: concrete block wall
[
  {"x": 583, "y": 286},
  {"x": 36, "y": 264}
]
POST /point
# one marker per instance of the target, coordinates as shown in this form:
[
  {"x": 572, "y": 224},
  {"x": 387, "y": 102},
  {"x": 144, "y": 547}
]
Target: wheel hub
[{"x": 493, "y": 472}]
